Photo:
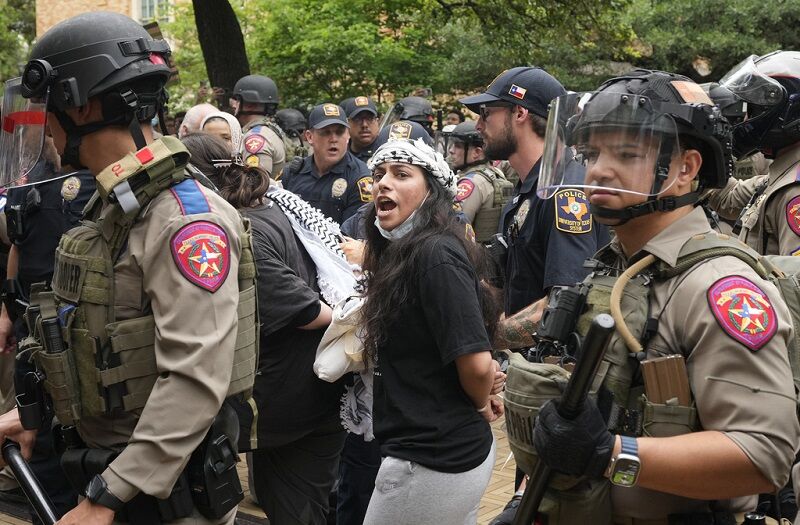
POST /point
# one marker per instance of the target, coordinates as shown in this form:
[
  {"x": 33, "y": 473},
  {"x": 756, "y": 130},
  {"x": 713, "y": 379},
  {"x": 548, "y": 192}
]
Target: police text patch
[
  {"x": 572, "y": 211},
  {"x": 743, "y": 311},
  {"x": 365, "y": 189},
  {"x": 202, "y": 253}
]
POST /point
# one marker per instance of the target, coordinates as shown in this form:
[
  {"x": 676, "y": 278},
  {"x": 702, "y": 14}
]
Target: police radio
[{"x": 556, "y": 339}]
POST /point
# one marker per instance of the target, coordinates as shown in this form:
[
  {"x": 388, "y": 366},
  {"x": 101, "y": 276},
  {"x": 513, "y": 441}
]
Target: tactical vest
[
  {"x": 488, "y": 218},
  {"x": 752, "y": 216},
  {"x": 107, "y": 366},
  {"x": 530, "y": 385}
]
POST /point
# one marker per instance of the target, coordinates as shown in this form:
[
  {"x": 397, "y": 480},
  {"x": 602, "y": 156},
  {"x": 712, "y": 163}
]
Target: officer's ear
[
  {"x": 690, "y": 161},
  {"x": 309, "y": 136},
  {"x": 92, "y": 111}
]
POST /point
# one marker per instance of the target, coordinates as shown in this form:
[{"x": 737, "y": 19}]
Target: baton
[
  {"x": 36, "y": 495},
  {"x": 592, "y": 351}
]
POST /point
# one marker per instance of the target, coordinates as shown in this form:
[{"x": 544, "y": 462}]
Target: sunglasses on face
[{"x": 485, "y": 110}]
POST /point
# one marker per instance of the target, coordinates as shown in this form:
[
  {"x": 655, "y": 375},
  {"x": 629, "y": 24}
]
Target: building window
[{"x": 154, "y": 10}]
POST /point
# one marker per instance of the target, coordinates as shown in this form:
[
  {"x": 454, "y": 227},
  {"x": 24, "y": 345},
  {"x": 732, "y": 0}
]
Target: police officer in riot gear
[
  {"x": 767, "y": 89},
  {"x": 415, "y": 109},
  {"x": 255, "y": 101},
  {"x": 294, "y": 124},
  {"x": 136, "y": 378},
  {"x": 482, "y": 189},
  {"x": 687, "y": 443}
]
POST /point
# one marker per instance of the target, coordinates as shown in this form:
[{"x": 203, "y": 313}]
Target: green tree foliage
[
  {"x": 686, "y": 35},
  {"x": 17, "y": 28}
]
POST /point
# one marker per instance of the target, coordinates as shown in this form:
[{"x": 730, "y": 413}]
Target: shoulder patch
[
  {"x": 202, "y": 253},
  {"x": 190, "y": 197},
  {"x": 743, "y": 311},
  {"x": 365, "y": 189},
  {"x": 465, "y": 189},
  {"x": 572, "y": 211},
  {"x": 254, "y": 143},
  {"x": 793, "y": 215}
]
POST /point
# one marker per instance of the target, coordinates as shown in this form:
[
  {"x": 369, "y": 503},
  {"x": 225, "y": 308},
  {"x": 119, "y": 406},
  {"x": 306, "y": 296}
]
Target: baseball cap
[
  {"x": 402, "y": 129},
  {"x": 530, "y": 87},
  {"x": 324, "y": 115},
  {"x": 354, "y": 106}
]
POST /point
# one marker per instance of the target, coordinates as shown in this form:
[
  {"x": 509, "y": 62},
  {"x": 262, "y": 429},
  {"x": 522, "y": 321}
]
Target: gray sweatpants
[{"x": 408, "y": 493}]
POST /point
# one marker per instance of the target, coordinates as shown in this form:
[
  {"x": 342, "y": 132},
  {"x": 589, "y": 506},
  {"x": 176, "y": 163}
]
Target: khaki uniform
[
  {"x": 481, "y": 202},
  {"x": 771, "y": 223},
  {"x": 742, "y": 384},
  {"x": 263, "y": 147},
  {"x": 193, "y": 300}
]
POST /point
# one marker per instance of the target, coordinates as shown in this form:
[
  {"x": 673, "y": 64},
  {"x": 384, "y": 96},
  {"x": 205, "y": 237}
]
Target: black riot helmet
[
  {"x": 645, "y": 118},
  {"x": 465, "y": 133},
  {"x": 414, "y": 109},
  {"x": 770, "y": 88},
  {"x": 256, "y": 89},
  {"x": 98, "y": 54},
  {"x": 291, "y": 121}
]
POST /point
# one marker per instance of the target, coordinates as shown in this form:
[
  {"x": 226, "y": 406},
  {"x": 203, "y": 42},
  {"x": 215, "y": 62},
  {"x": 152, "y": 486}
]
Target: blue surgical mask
[{"x": 406, "y": 226}]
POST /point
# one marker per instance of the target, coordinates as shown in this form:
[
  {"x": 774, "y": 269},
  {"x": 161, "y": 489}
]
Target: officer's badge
[
  {"x": 793, "y": 215},
  {"x": 572, "y": 211},
  {"x": 362, "y": 101},
  {"x": 465, "y": 188},
  {"x": 365, "y": 189},
  {"x": 339, "y": 187},
  {"x": 400, "y": 130},
  {"x": 70, "y": 188},
  {"x": 330, "y": 110},
  {"x": 522, "y": 213},
  {"x": 252, "y": 161},
  {"x": 743, "y": 311},
  {"x": 202, "y": 253},
  {"x": 254, "y": 143}
]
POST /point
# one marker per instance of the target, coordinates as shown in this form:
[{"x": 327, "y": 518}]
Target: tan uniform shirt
[
  {"x": 475, "y": 193},
  {"x": 263, "y": 148},
  {"x": 194, "y": 347},
  {"x": 745, "y": 392},
  {"x": 771, "y": 224}
]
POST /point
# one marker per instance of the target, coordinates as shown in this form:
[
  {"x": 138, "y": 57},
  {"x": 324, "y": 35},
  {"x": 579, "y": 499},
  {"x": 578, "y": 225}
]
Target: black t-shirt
[
  {"x": 548, "y": 240},
  {"x": 421, "y": 412},
  {"x": 291, "y": 399},
  {"x": 338, "y": 193}
]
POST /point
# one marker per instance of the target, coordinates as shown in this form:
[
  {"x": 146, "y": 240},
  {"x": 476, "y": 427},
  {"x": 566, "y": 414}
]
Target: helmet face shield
[
  {"x": 625, "y": 144},
  {"x": 748, "y": 83},
  {"x": 22, "y": 136}
]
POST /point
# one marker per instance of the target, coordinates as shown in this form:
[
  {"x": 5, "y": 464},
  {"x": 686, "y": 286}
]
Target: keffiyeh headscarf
[
  {"x": 236, "y": 128},
  {"x": 418, "y": 153}
]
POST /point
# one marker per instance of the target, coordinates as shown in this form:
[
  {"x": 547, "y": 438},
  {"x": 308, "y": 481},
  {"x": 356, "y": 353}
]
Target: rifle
[
  {"x": 36, "y": 495},
  {"x": 591, "y": 353}
]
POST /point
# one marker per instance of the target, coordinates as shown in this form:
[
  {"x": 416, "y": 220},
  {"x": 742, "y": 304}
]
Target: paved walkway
[{"x": 497, "y": 493}]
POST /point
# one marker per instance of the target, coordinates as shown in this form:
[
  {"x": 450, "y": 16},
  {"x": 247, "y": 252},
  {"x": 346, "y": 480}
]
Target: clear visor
[
  {"x": 752, "y": 86},
  {"x": 22, "y": 138},
  {"x": 610, "y": 142}
]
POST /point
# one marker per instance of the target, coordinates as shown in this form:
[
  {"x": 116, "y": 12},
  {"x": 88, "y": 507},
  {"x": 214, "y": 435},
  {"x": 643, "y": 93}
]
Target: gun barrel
[
  {"x": 574, "y": 394},
  {"x": 36, "y": 495}
]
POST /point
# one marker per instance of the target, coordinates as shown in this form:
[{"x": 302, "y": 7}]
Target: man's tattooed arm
[{"x": 517, "y": 331}]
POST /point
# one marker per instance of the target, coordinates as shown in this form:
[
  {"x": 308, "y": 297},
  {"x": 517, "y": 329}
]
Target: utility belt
[
  {"x": 14, "y": 298},
  {"x": 209, "y": 483}
]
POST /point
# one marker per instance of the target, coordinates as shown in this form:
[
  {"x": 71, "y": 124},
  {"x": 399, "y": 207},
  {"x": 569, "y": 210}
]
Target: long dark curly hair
[{"x": 393, "y": 268}]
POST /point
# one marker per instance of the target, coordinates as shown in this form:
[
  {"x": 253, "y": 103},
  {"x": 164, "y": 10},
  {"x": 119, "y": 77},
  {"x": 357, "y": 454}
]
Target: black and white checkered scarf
[{"x": 418, "y": 153}]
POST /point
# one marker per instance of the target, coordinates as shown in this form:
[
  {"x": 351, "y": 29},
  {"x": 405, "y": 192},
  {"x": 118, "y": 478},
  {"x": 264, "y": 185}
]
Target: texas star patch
[
  {"x": 793, "y": 215},
  {"x": 365, "y": 189},
  {"x": 202, "y": 253},
  {"x": 465, "y": 188},
  {"x": 254, "y": 143},
  {"x": 743, "y": 311},
  {"x": 572, "y": 212}
]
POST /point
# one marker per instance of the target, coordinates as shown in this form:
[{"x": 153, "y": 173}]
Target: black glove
[{"x": 578, "y": 447}]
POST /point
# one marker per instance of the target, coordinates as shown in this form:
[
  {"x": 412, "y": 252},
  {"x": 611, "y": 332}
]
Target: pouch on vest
[{"x": 488, "y": 219}]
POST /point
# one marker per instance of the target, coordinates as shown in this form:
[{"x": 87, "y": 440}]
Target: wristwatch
[
  {"x": 625, "y": 467},
  {"x": 97, "y": 492}
]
